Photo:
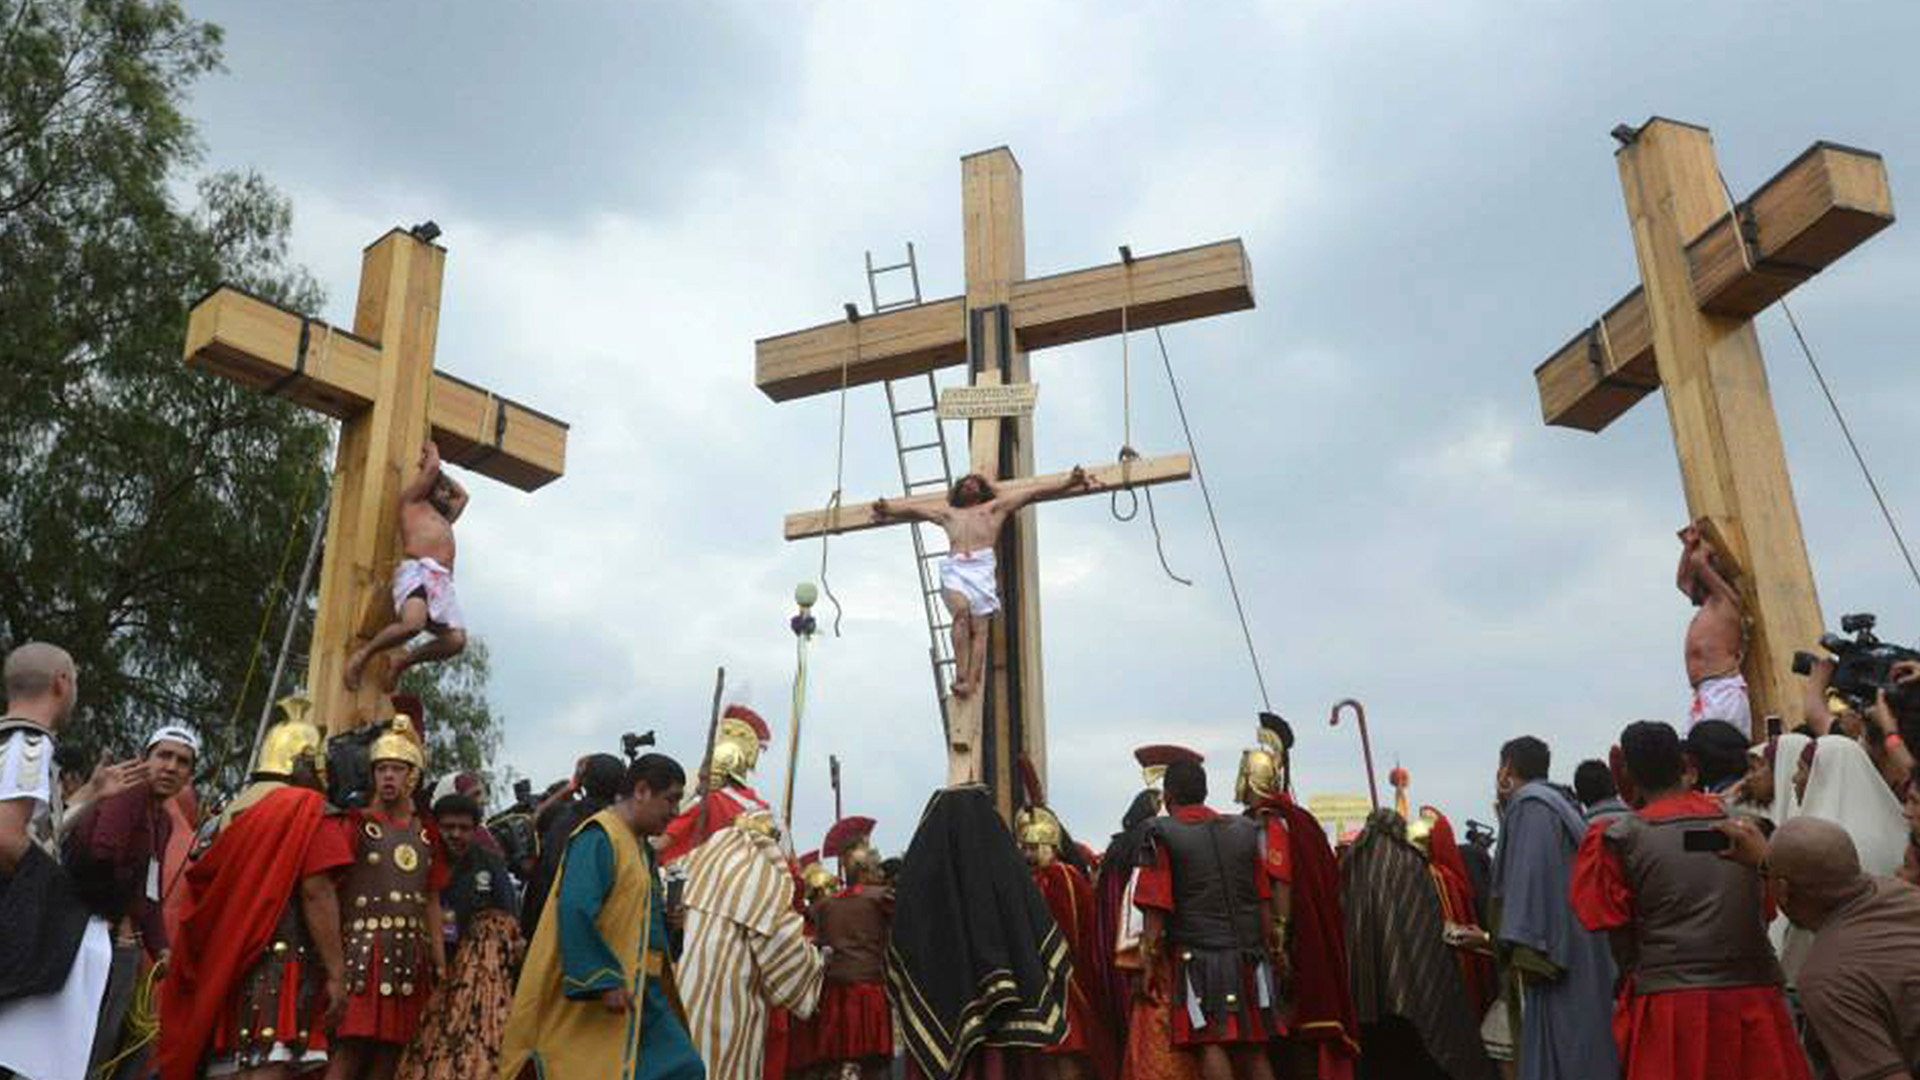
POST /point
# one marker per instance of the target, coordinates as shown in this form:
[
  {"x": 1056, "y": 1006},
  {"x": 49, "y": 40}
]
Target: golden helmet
[
  {"x": 737, "y": 742},
  {"x": 1036, "y": 827},
  {"x": 399, "y": 743},
  {"x": 1420, "y": 830},
  {"x": 1259, "y": 776},
  {"x": 820, "y": 881},
  {"x": 293, "y": 740}
]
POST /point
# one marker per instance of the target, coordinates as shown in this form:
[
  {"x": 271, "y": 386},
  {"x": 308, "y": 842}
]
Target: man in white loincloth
[
  {"x": 972, "y": 518},
  {"x": 1716, "y": 639},
  {"x": 423, "y": 596}
]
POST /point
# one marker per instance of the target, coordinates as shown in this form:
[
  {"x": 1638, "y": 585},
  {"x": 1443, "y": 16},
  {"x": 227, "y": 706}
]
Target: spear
[
  {"x": 706, "y": 761},
  {"x": 833, "y": 773}
]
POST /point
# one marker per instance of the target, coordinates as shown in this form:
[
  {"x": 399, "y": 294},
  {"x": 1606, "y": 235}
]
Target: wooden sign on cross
[
  {"x": 1706, "y": 269},
  {"x": 379, "y": 381},
  {"x": 1002, "y": 316}
]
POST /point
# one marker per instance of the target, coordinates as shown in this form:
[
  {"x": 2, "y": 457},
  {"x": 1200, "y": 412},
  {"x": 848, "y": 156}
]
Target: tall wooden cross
[
  {"x": 1706, "y": 270},
  {"x": 1003, "y": 315},
  {"x": 379, "y": 381}
]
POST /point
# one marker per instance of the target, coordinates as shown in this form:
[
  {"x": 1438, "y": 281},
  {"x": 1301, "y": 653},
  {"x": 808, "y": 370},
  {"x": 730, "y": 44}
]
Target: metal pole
[
  {"x": 1366, "y": 743},
  {"x": 294, "y": 603}
]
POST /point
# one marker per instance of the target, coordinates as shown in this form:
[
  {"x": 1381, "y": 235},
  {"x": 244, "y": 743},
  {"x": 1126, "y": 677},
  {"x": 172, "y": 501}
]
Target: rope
[
  {"x": 1819, "y": 377},
  {"x": 142, "y": 1024},
  {"x": 266, "y": 609},
  {"x": 1206, "y": 494},
  {"x": 839, "y": 472},
  {"x": 1128, "y": 455}
]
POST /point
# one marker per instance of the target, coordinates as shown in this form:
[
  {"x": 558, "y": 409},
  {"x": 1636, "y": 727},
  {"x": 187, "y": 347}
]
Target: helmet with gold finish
[
  {"x": 401, "y": 743},
  {"x": 1264, "y": 772},
  {"x": 819, "y": 880},
  {"x": 293, "y": 744},
  {"x": 1039, "y": 833},
  {"x": 737, "y": 743}
]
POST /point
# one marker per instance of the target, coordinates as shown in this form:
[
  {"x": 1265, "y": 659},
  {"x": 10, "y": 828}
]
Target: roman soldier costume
[
  {"x": 247, "y": 985},
  {"x": 397, "y": 873},
  {"x": 1146, "y": 1023},
  {"x": 1305, "y": 881},
  {"x": 853, "y": 1024},
  {"x": 737, "y": 744},
  {"x": 1069, "y": 896}
]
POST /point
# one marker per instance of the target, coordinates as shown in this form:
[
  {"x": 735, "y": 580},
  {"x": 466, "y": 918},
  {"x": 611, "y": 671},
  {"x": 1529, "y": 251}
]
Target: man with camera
[
  {"x": 1701, "y": 990},
  {"x": 1879, "y": 682}
]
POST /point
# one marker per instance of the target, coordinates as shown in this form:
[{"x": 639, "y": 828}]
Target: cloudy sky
[{"x": 632, "y": 193}]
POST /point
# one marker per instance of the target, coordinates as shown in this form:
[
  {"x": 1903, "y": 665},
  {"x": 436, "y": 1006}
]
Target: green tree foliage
[{"x": 146, "y": 511}]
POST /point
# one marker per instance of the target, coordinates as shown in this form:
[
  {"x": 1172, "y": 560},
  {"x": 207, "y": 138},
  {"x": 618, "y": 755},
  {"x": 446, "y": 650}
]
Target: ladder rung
[
  {"x": 936, "y": 555},
  {"x": 917, "y": 411},
  {"x": 940, "y": 480},
  {"x": 934, "y": 445}
]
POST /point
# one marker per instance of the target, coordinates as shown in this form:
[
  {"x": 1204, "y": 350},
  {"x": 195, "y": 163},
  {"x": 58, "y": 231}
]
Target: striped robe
[{"x": 746, "y": 950}]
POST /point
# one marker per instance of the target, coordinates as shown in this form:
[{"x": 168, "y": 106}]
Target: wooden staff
[{"x": 706, "y": 761}]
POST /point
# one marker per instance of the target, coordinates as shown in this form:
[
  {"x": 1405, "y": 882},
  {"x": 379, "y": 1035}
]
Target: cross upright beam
[
  {"x": 1706, "y": 269},
  {"x": 378, "y": 380},
  {"x": 991, "y": 328}
]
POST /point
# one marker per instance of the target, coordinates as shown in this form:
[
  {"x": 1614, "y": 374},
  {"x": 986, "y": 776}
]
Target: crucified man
[
  {"x": 423, "y": 597},
  {"x": 973, "y": 518},
  {"x": 1716, "y": 638}
]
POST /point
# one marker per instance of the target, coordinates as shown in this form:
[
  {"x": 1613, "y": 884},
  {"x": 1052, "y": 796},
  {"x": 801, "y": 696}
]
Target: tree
[{"x": 146, "y": 512}]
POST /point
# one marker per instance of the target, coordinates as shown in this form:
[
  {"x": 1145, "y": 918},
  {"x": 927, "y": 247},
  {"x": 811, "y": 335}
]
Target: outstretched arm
[
  {"x": 891, "y": 511},
  {"x": 1705, "y": 574},
  {"x": 1683, "y": 577},
  {"x": 422, "y": 483},
  {"x": 456, "y": 500},
  {"x": 1077, "y": 480}
]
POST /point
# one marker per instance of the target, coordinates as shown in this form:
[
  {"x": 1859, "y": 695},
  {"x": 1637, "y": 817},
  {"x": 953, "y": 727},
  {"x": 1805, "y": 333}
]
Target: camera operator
[{"x": 1876, "y": 727}]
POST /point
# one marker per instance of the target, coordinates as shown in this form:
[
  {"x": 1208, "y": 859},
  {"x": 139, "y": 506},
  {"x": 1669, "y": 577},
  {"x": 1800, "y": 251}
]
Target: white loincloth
[
  {"x": 971, "y": 574},
  {"x": 1722, "y": 697},
  {"x": 429, "y": 578}
]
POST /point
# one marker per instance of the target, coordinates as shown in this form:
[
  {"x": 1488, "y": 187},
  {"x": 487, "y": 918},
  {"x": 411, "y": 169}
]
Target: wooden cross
[
  {"x": 1002, "y": 316},
  {"x": 379, "y": 381},
  {"x": 1706, "y": 269}
]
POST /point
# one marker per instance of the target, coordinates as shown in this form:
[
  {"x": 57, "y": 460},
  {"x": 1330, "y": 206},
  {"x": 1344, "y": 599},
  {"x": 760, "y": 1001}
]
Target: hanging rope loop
[{"x": 839, "y": 466}]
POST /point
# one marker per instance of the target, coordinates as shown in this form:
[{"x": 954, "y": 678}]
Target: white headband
[{"x": 175, "y": 733}]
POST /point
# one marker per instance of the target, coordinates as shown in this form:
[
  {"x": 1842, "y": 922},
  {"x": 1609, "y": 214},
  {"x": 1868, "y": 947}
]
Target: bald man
[{"x": 1860, "y": 985}]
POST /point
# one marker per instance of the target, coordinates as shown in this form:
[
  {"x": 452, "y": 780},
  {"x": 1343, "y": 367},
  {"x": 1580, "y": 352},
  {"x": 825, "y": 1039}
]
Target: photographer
[{"x": 1876, "y": 727}]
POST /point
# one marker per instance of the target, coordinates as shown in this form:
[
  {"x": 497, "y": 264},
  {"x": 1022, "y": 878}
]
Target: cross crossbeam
[
  {"x": 1079, "y": 305},
  {"x": 1825, "y": 203},
  {"x": 855, "y": 517}
]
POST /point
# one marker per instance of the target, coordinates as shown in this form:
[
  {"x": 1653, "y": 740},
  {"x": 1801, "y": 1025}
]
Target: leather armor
[
  {"x": 1699, "y": 919},
  {"x": 383, "y": 908}
]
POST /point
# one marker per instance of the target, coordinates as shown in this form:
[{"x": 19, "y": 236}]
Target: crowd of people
[{"x": 1698, "y": 905}]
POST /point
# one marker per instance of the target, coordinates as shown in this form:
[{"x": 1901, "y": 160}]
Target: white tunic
[{"x": 48, "y": 1036}]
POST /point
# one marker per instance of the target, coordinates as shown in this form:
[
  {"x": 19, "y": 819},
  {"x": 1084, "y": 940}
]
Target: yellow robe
[{"x": 563, "y": 1038}]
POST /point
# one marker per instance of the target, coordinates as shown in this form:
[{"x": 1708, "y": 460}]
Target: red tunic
[
  {"x": 1703, "y": 1034},
  {"x": 1322, "y": 1005},
  {"x": 1069, "y": 897},
  {"x": 1154, "y": 890},
  {"x": 237, "y": 893}
]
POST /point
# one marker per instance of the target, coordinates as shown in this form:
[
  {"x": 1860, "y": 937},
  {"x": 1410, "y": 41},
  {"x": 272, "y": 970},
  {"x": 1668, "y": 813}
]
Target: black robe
[{"x": 975, "y": 959}]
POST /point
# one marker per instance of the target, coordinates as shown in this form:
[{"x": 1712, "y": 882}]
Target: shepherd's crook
[{"x": 1366, "y": 743}]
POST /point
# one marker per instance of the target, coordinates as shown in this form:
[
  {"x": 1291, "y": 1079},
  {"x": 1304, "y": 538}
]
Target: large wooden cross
[
  {"x": 1003, "y": 315},
  {"x": 1706, "y": 270},
  {"x": 379, "y": 381}
]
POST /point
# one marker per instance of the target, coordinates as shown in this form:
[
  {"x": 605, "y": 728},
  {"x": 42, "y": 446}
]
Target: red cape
[
  {"x": 1456, "y": 903},
  {"x": 1070, "y": 897},
  {"x": 690, "y": 830},
  {"x": 1323, "y": 1005},
  {"x": 238, "y": 890}
]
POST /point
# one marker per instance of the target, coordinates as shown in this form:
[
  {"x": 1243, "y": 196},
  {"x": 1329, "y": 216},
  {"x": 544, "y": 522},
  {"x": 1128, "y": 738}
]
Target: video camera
[
  {"x": 1863, "y": 664},
  {"x": 630, "y": 745}
]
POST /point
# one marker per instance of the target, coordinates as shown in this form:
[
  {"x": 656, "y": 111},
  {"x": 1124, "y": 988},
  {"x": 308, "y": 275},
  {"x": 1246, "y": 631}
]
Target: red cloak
[
  {"x": 238, "y": 890},
  {"x": 715, "y": 811},
  {"x": 1456, "y": 906},
  {"x": 1322, "y": 1004},
  {"x": 1070, "y": 897}
]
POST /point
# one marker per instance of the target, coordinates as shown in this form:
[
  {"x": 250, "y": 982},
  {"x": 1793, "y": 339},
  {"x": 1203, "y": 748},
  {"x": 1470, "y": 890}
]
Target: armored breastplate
[
  {"x": 383, "y": 908},
  {"x": 1698, "y": 917},
  {"x": 1216, "y": 900}
]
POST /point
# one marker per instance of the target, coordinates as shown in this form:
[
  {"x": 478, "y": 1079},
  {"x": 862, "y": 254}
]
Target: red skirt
[
  {"x": 289, "y": 1023},
  {"x": 1249, "y": 1024},
  {"x": 392, "y": 1017},
  {"x": 1741, "y": 1031},
  {"x": 853, "y": 1023}
]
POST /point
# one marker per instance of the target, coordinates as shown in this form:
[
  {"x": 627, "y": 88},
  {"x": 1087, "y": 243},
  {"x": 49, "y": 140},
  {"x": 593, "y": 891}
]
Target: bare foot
[
  {"x": 355, "y": 665},
  {"x": 962, "y": 688}
]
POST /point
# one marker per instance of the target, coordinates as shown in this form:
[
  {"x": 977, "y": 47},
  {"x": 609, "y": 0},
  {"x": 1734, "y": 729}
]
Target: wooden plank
[
  {"x": 1192, "y": 283},
  {"x": 893, "y": 345},
  {"x": 256, "y": 343},
  {"x": 1825, "y": 203},
  {"x": 856, "y": 517},
  {"x": 1732, "y": 464},
  {"x": 1058, "y": 310}
]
